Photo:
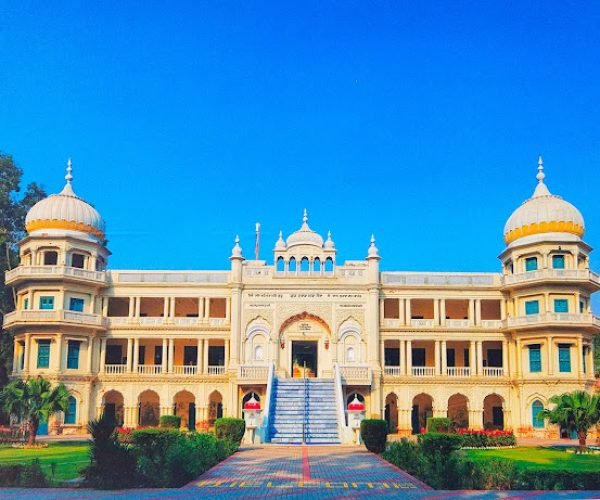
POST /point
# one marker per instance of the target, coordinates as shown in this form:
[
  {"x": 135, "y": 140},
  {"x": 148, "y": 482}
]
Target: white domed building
[{"x": 484, "y": 349}]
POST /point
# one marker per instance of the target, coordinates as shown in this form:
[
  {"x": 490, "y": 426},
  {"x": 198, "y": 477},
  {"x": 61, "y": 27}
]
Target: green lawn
[
  {"x": 541, "y": 458},
  {"x": 69, "y": 458}
]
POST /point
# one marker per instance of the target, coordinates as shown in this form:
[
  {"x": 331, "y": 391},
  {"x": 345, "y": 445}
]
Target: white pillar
[
  {"x": 58, "y": 357},
  {"x": 504, "y": 358},
  {"x": 408, "y": 312},
  {"x": 478, "y": 311},
  {"x": 164, "y": 356},
  {"x": 444, "y": 358},
  {"x": 436, "y": 312},
  {"x": 166, "y": 307},
  {"x": 102, "y": 354},
  {"x": 199, "y": 357},
  {"x": 473, "y": 358},
  {"x": 402, "y": 357},
  {"x": 131, "y": 306},
  {"x": 226, "y": 355},
  {"x": 579, "y": 357},
  {"x": 136, "y": 354},
  {"x": 90, "y": 352},
  {"x": 205, "y": 364},
  {"x": 171, "y": 355},
  {"x": 138, "y": 306},
  {"x": 382, "y": 353},
  {"x": 442, "y": 312},
  {"x": 550, "y": 349},
  {"x": 409, "y": 357},
  {"x": 479, "y": 357},
  {"x": 472, "y": 312},
  {"x": 27, "y": 353},
  {"x": 129, "y": 354},
  {"x": 436, "y": 356}
]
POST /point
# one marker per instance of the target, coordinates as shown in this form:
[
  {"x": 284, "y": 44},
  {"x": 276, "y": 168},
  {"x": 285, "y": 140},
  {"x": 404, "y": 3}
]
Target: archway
[
  {"x": 458, "y": 411},
  {"x": 422, "y": 409},
  {"x": 148, "y": 408},
  {"x": 215, "y": 407},
  {"x": 391, "y": 412},
  {"x": 113, "y": 407},
  {"x": 184, "y": 406},
  {"x": 493, "y": 412}
]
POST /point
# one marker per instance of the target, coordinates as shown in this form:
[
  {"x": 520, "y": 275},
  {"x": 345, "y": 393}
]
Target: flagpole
[{"x": 257, "y": 247}]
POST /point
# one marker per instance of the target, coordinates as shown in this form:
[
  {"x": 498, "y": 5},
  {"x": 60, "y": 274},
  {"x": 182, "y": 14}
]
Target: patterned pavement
[{"x": 296, "y": 472}]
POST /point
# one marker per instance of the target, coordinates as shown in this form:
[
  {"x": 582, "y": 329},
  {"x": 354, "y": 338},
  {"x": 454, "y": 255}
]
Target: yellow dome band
[
  {"x": 544, "y": 227},
  {"x": 36, "y": 225}
]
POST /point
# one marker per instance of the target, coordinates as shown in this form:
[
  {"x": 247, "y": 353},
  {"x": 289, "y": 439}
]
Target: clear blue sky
[{"x": 420, "y": 122}]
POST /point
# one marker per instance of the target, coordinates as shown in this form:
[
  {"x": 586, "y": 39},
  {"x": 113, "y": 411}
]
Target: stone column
[
  {"x": 579, "y": 357},
  {"x": 504, "y": 358},
  {"x": 476, "y": 419},
  {"x": 472, "y": 312},
  {"x": 550, "y": 353},
  {"x": 171, "y": 355},
  {"x": 409, "y": 358},
  {"x": 442, "y": 312},
  {"x": 472, "y": 358},
  {"x": 205, "y": 364},
  {"x": 164, "y": 356},
  {"x": 15, "y": 356},
  {"x": 200, "y": 307},
  {"x": 138, "y": 306},
  {"x": 129, "y": 354},
  {"x": 131, "y": 306},
  {"x": 478, "y": 311},
  {"x": 166, "y": 307},
  {"x": 58, "y": 358},
  {"x": 408, "y": 312},
  {"x": 206, "y": 308},
  {"x": 102, "y": 354},
  {"x": 136, "y": 355},
  {"x": 519, "y": 367},
  {"x": 199, "y": 356},
  {"x": 479, "y": 357},
  {"x": 402, "y": 357},
  {"x": 402, "y": 311},
  {"x": 382, "y": 353},
  {"x": 444, "y": 358},
  {"x": 227, "y": 354},
  {"x": 436, "y": 312},
  {"x": 27, "y": 353},
  {"x": 436, "y": 357},
  {"x": 90, "y": 352}
]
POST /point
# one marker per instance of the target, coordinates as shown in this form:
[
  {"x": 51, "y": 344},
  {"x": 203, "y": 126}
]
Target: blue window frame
[
  {"x": 564, "y": 358},
  {"x": 535, "y": 358},
  {"x": 531, "y": 264},
  {"x": 26, "y": 303},
  {"x": 532, "y": 307},
  {"x": 76, "y": 304},
  {"x": 536, "y": 407},
  {"x": 73, "y": 354},
  {"x": 561, "y": 306},
  {"x": 43, "y": 358},
  {"x": 71, "y": 413},
  {"x": 558, "y": 261},
  {"x": 46, "y": 302}
]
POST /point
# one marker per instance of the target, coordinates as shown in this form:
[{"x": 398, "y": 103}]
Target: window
[
  {"x": 531, "y": 264},
  {"x": 280, "y": 265},
  {"x": 564, "y": 358},
  {"x": 77, "y": 260},
  {"x": 73, "y": 354},
  {"x": 292, "y": 265},
  {"x": 26, "y": 303},
  {"x": 561, "y": 306},
  {"x": 50, "y": 258},
  {"x": 75, "y": 304},
  {"x": 43, "y": 360},
  {"x": 536, "y": 407},
  {"x": 532, "y": 307},
  {"x": 190, "y": 355},
  {"x": 46, "y": 302},
  {"x": 259, "y": 353},
  {"x": 581, "y": 306},
  {"x": 558, "y": 261},
  {"x": 71, "y": 413},
  {"x": 535, "y": 358},
  {"x": 304, "y": 265},
  {"x": 350, "y": 355},
  {"x": 158, "y": 355},
  {"x": 418, "y": 356},
  {"x": 450, "y": 357}
]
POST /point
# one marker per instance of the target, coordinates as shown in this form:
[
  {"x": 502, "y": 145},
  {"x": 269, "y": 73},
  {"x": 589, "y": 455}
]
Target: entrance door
[{"x": 304, "y": 352}]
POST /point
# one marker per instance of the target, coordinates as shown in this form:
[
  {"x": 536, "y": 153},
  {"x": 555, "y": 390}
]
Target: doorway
[{"x": 304, "y": 352}]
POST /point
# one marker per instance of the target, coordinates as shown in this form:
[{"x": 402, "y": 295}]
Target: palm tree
[
  {"x": 575, "y": 411},
  {"x": 34, "y": 401}
]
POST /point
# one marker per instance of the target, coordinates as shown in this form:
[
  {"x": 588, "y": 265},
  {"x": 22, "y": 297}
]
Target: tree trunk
[
  {"x": 582, "y": 438},
  {"x": 33, "y": 428}
]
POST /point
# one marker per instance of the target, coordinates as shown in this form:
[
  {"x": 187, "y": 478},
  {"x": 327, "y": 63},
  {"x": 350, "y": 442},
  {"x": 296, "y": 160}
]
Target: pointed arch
[{"x": 304, "y": 316}]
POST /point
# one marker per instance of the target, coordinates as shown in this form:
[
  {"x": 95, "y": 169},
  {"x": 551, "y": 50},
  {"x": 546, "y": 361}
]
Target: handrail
[
  {"x": 267, "y": 411},
  {"x": 305, "y": 403},
  {"x": 340, "y": 402}
]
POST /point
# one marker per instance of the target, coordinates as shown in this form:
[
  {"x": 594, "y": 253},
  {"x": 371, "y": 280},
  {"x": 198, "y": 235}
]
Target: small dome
[
  {"x": 65, "y": 211},
  {"x": 305, "y": 235},
  {"x": 329, "y": 245},
  {"x": 544, "y": 212},
  {"x": 280, "y": 244}
]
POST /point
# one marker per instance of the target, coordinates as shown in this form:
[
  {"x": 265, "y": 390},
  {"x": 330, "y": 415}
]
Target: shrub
[
  {"x": 407, "y": 456},
  {"x": 484, "y": 439},
  {"x": 438, "y": 424},
  {"x": 231, "y": 429},
  {"x": 170, "y": 421},
  {"x": 434, "y": 442},
  {"x": 151, "y": 447},
  {"x": 192, "y": 455},
  {"x": 373, "y": 432},
  {"x": 28, "y": 475},
  {"x": 533, "y": 479},
  {"x": 488, "y": 474}
]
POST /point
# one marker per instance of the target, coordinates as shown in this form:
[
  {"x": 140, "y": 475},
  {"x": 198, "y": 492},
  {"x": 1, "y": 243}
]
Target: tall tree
[{"x": 13, "y": 209}]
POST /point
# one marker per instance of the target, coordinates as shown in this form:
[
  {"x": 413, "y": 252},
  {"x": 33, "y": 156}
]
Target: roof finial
[
  {"x": 372, "y": 240},
  {"x": 373, "y": 251},
  {"x": 69, "y": 176},
  {"x": 540, "y": 175},
  {"x": 305, "y": 217}
]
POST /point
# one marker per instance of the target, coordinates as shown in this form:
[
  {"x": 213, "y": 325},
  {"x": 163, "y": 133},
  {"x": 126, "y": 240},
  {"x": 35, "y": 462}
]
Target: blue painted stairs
[{"x": 290, "y": 407}]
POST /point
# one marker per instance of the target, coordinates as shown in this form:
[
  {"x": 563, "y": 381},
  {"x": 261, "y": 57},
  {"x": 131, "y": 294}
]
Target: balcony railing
[
  {"x": 551, "y": 318},
  {"x": 392, "y": 371},
  {"x": 443, "y": 279},
  {"x": 149, "y": 369},
  {"x": 253, "y": 372},
  {"x": 55, "y": 315},
  {"x": 493, "y": 372},
  {"x": 491, "y": 323},
  {"x": 458, "y": 323},
  {"x": 422, "y": 323},
  {"x": 115, "y": 369},
  {"x": 423, "y": 371},
  {"x": 166, "y": 322},
  {"x": 216, "y": 370},
  {"x": 545, "y": 274},
  {"x": 54, "y": 272},
  {"x": 185, "y": 369},
  {"x": 355, "y": 373},
  {"x": 458, "y": 371}
]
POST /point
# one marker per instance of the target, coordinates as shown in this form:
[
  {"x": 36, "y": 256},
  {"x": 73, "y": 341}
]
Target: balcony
[
  {"x": 458, "y": 371},
  {"x": 149, "y": 369},
  {"x": 115, "y": 369},
  {"x": 458, "y": 323},
  {"x": 161, "y": 322},
  {"x": 253, "y": 373},
  {"x": 185, "y": 369},
  {"x": 54, "y": 272},
  {"x": 216, "y": 370},
  {"x": 392, "y": 371},
  {"x": 46, "y": 317},
  {"x": 493, "y": 372},
  {"x": 494, "y": 324},
  {"x": 554, "y": 319},
  {"x": 355, "y": 374},
  {"x": 529, "y": 277},
  {"x": 423, "y": 371},
  {"x": 422, "y": 323}
]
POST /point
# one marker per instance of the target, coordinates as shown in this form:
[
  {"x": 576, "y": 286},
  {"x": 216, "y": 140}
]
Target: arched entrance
[
  {"x": 184, "y": 406},
  {"x": 493, "y": 412},
  {"x": 304, "y": 338},
  {"x": 148, "y": 408},
  {"x": 422, "y": 409},
  {"x": 215, "y": 407},
  {"x": 391, "y": 412},
  {"x": 113, "y": 407},
  {"x": 458, "y": 411}
]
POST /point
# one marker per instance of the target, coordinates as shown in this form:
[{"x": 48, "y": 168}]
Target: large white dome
[
  {"x": 65, "y": 211},
  {"x": 305, "y": 235},
  {"x": 544, "y": 212}
]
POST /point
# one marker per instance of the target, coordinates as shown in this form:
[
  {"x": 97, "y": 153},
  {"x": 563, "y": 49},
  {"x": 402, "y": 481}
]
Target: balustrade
[
  {"x": 392, "y": 371},
  {"x": 185, "y": 369},
  {"x": 493, "y": 372},
  {"x": 423, "y": 371},
  {"x": 115, "y": 369},
  {"x": 458, "y": 371}
]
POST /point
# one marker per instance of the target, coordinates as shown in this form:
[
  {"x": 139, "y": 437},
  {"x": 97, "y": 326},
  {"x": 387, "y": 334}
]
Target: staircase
[{"x": 297, "y": 401}]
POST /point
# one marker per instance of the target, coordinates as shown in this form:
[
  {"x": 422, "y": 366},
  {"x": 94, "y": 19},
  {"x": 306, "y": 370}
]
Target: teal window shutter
[
  {"x": 561, "y": 306},
  {"x": 564, "y": 358},
  {"x": 76, "y": 304},
  {"x": 531, "y": 264},
  {"x": 558, "y": 261},
  {"x": 71, "y": 413},
  {"x": 532, "y": 307},
  {"x": 43, "y": 360},
  {"x": 26, "y": 303},
  {"x": 535, "y": 358},
  {"x": 46, "y": 302},
  {"x": 73, "y": 354},
  {"x": 537, "y": 407}
]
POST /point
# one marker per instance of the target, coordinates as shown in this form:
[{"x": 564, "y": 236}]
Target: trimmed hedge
[
  {"x": 170, "y": 421},
  {"x": 487, "y": 439},
  {"x": 27, "y": 475},
  {"x": 439, "y": 442},
  {"x": 231, "y": 429},
  {"x": 534, "y": 479},
  {"x": 373, "y": 433},
  {"x": 438, "y": 424}
]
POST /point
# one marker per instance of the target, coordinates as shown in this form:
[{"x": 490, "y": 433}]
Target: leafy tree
[
  {"x": 13, "y": 210},
  {"x": 34, "y": 400},
  {"x": 575, "y": 411}
]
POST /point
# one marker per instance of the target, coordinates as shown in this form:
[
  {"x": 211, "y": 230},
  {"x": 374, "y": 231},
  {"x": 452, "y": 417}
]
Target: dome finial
[
  {"x": 305, "y": 217},
  {"x": 541, "y": 189},
  {"x": 69, "y": 176},
  {"x": 373, "y": 251},
  {"x": 540, "y": 175},
  {"x": 236, "y": 251}
]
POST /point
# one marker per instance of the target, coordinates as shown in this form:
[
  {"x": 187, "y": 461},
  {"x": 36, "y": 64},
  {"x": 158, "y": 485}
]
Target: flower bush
[{"x": 486, "y": 438}]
